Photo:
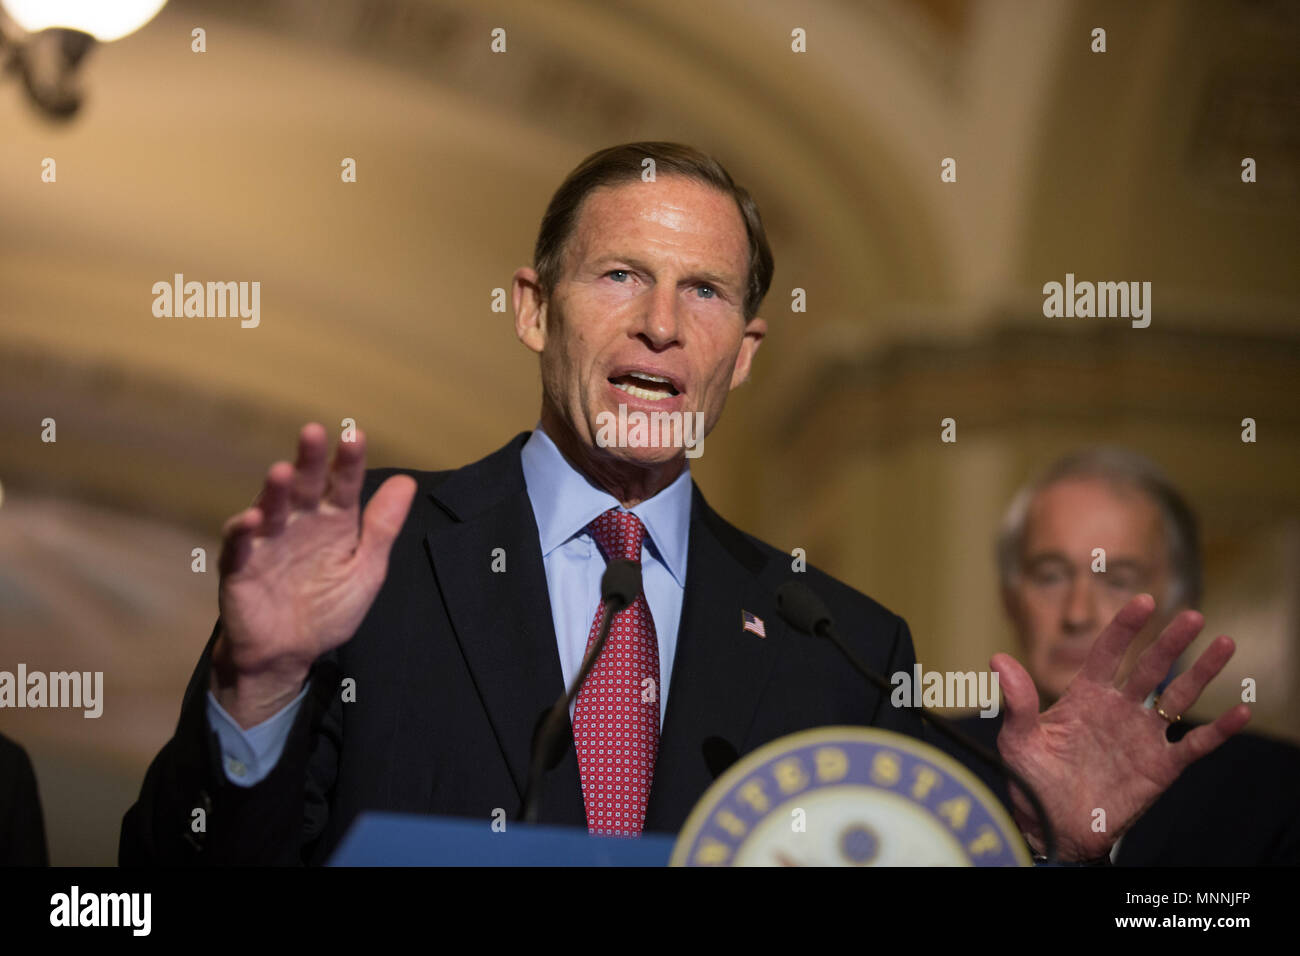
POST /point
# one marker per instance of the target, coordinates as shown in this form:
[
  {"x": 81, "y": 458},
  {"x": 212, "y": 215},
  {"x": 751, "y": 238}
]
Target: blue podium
[
  {"x": 830, "y": 796},
  {"x": 394, "y": 839}
]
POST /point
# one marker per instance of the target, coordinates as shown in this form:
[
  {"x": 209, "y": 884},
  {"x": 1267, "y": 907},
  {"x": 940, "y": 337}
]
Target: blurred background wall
[{"x": 924, "y": 298}]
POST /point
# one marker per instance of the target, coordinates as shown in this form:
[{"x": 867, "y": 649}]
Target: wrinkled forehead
[
  {"x": 673, "y": 215},
  {"x": 1085, "y": 512}
]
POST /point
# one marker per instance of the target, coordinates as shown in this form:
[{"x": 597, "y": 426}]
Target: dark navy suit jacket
[
  {"x": 22, "y": 825},
  {"x": 454, "y": 664}
]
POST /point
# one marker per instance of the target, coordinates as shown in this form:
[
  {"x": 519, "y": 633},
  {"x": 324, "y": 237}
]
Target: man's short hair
[
  {"x": 621, "y": 164},
  {"x": 1118, "y": 466}
]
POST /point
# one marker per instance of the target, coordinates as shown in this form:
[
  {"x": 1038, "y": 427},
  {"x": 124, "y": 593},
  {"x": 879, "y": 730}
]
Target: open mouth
[{"x": 643, "y": 385}]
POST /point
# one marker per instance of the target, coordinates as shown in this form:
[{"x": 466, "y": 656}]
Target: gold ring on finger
[{"x": 1156, "y": 706}]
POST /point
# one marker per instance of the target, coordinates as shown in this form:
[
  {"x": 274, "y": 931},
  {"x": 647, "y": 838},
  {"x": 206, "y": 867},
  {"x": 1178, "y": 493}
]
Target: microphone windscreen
[
  {"x": 719, "y": 755},
  {"x": 620, "y": 584},
  {"x": 802, "y": 609}
]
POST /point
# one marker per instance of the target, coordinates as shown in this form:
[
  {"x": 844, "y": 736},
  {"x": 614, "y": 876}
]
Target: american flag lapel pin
[{"x": 753, "y": 623}]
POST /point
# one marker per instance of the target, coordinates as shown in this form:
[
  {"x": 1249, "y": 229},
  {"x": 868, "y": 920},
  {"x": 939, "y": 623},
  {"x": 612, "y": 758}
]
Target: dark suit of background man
[
  {"x": 386, "y": 660},
  {"x": 22, "y": 825},
  {"x": 1240, "y": 806}
]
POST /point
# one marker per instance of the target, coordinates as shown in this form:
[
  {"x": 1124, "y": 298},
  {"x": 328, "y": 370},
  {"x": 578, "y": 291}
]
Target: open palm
[
  {"x": 301, "y": 566},
  {"x": 1098, "y": 748}
]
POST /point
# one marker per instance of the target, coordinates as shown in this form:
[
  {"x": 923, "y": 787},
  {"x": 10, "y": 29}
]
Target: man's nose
[
  {"x": 1080, "y": 612},
  {"x": 659, "y": 323}
]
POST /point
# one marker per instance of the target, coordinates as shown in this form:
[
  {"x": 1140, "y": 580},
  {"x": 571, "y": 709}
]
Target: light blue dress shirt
[{"x": 564, "y": 502}]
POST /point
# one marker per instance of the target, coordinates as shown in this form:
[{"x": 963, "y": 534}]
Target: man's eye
[
  {"x": 620, "y": 272},
  {"x": 708, "y": 288},
  {"x": 1045, "y": 576}
]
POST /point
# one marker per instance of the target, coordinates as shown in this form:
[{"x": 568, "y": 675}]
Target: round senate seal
[{"x": 849, "y": 796}]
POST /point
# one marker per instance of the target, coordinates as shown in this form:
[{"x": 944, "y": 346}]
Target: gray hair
[{"x": 1121, "y": 467}]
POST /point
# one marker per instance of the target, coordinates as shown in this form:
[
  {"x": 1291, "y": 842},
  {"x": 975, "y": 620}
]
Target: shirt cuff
[{"x": 247, "y": 756}]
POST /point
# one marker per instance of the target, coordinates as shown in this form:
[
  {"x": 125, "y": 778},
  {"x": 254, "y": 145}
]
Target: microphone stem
[{"x": 554, "y": 720}]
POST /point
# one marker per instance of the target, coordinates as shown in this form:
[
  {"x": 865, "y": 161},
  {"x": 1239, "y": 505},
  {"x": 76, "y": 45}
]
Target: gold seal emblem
[{"x": 849, "y": 796}]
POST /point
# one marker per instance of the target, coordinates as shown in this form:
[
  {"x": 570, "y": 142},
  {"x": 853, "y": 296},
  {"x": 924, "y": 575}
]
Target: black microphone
[
  {"x": 619, "y": 587},
  {"x": 804, "y": 611},
  {"x": 719, "y": 755}
]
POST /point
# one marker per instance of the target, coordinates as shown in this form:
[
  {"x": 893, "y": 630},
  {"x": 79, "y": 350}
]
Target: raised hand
[
  {"x": 299, "y": 571},
  {"x": 1097, "y": 746}
]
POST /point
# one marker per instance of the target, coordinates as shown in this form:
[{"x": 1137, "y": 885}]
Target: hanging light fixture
[
  {"x": 105, "y": 20},
  {"x": 45, "y": 41}
]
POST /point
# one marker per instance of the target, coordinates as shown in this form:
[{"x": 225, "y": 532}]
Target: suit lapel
[
  {"x": 504, "y": 625},
  {"x": 503, "y": 620},
  {"x": 720, "y": 669}
]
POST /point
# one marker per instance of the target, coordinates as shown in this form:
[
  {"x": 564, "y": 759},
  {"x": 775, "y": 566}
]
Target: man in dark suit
[
  {"x": 1238, "y": 806},
  {"x": 399, "y": 658},
  {"x": 455, "y": 663}
]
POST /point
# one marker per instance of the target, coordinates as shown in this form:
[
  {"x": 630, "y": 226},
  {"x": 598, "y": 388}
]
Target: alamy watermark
[
  {"x": 57, "y": 689},
  {"x": 75, "y": 908},
  {"x": 1123, "y": 300},
  {"x": 946, "y": 689},
  {"x": 178, "y": 298},
  {"x": 638, "y": 429}
]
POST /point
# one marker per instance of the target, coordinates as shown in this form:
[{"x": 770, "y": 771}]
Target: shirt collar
[{"x": 565, "y": 501}]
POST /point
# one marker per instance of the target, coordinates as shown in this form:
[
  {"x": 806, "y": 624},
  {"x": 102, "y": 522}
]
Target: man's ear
[
  {"x": 530, "y": 309},
  {"x": 755, "y": 331}
]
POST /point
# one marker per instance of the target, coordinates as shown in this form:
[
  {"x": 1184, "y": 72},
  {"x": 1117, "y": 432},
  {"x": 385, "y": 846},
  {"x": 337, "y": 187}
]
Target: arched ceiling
[{"x": 376, "y": 295}]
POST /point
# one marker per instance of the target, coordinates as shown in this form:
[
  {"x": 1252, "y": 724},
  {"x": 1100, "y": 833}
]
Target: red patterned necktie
[{"x": 616, "y": 715}]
